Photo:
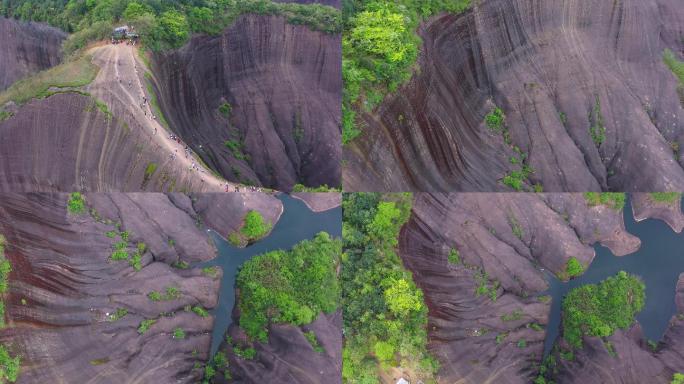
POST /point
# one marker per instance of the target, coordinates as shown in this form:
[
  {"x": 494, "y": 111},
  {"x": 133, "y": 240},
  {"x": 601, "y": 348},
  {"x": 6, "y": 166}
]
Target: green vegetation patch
[
  {"x": 199, "y": 311},
  {"x": 676, "y": 66},
  {"x": 75, "y": 73},
  {"x": 170, "y": 293},
  {"x": 236, "y": 149},
  {"x": 597, "y": 129},
  {"x": 573, "y": 268},
  {"x": 254, "y": 227},
  {"x": 454, "y": 257},
  {"x": 311, "y": 338},
  {"x": 320, "y": 188},
  {"x": 225, "y": 109},
  {"x": 4, "y": 115},
  {"x": 145, "y": 325},
  {"x": 210, "y": 271},
  {"x": 154, "y": 101},
  {"x": 379, "y": 50},
  {"x": 670, "y": 198},
  {"x": 289, "y": 286},
  {"x": 178, "y": 334},
  {"x": 677, "y": 378},
  {"x": 614, "y": 200},
  {"x": 495, "y": 120},
  {"x": 5, "y": 266},
  {"x": 485, "y": 286},
  {"x": 162, "y": 24},
  {"x": 119, "y": 314},
  {"x": 600, "y": 309},
  {"x": 9, "y": 366},
  {"x": 385, "y": 317},
  {"x": 245, "y": 353},
  {"x": 76, "y": 203}
]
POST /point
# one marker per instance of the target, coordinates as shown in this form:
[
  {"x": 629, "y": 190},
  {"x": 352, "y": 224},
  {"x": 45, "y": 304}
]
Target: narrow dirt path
[{"x": 122, "y": 78}]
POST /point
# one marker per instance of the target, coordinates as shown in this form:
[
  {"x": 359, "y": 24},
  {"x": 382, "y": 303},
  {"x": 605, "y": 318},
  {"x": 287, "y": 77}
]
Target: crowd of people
[{"x": 187, "y": 151}]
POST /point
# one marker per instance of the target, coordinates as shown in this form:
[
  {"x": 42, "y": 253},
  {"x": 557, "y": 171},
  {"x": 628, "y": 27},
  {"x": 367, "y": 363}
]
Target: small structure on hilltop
[{"x": 125, "y": 33}]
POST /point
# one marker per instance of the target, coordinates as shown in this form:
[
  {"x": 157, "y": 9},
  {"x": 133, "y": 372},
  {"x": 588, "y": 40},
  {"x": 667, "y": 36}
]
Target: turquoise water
[
  {"x": 658, "y": 262},
  {"x": 297, "y": 223}
]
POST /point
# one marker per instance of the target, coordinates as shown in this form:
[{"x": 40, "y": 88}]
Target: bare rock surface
[
  {"x": 27, "y": 48},
  {"x": 319, "y": 201},
  {"x": 505, "y": 242},
  {"x": 644, "y": 207},
  {"x": 66, "y": 143},
  {"x": 288, "y": 357},
  {"x": 671, "y": 350},
  {"x": 65, "y": 289},
  {"x": 549, "y": 65},
  {"x": 283, "y": 84}
]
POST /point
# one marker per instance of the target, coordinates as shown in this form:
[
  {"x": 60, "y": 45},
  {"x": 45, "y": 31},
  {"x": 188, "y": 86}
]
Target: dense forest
[
  {"x": 380, "y": 49},
  {"x": 162, "y": 24},
  {"x": 385, "y": 317}
]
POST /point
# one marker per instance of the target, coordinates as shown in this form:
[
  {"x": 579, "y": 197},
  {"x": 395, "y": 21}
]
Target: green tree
[
  {"x": 384, "y": 351},
  {"x": 289, "y": 287},
  {"x": 9, "y": 366},
  {"x": 174, "y": 27},
  {"x": 677, "y": 378},
  {"x": 402, "y": 298},
  {"x": 573, "y": 268},
  {"x": 255, "y": 226},
  {"x": 384, "y": 222},
  {"x": 600, "y": 309},
  {"x": 135, "y": 10}
]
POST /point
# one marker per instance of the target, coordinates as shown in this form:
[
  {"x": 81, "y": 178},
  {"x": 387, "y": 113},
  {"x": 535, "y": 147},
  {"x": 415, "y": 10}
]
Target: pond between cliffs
[
  {"x": 297, "y": 223},
  {"x": 658, "y": 262}
]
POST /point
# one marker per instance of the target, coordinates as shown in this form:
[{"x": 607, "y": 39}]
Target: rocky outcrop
[
  {"x": 288, "y": 357},
  {"x": 65, "y": 289},
  {"x": 211, "y": 207},
  {"x": 281, "y": 87},
  {"x": 27, "y": 48},
  {"x": 671, "y": 351},
  {"x": 644, "y": 207},
  {"x": 319, "y": 201},
  {"x": 556, "y": 68},
  {"x": 485, "y": 321},
  {"x": 66, "y": 143}
]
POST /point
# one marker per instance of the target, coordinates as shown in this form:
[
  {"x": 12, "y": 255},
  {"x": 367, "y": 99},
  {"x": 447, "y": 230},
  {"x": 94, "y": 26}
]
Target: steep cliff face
[
  {"x": 64, "y": 308},
  {"x": 505, "y": 241},
  {"x": 27, "y": 48},
  {"x": 556, "y": 68},
  {"x": 260, "y": 103}
]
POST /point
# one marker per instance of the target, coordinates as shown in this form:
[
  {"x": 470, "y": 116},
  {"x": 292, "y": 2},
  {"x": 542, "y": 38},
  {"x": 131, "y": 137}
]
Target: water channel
[
  {"x": 297, "y": 223},
  {"x": 658, "y": 262}
]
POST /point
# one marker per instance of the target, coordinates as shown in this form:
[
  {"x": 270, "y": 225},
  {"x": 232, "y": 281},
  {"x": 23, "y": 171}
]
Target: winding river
[
  {"x": 658, "y": 262},
  {"x": 297, "y": 223}
]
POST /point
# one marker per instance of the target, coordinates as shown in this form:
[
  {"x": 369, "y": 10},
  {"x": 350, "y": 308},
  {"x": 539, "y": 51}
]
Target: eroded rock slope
[
  {"x": 281, "y": 84},
  {"x": 556, "y": 68},
  {"x": 65, "y": 290},
  {"x": 27, "y": 48},
  {"x": 486, "y": 319}
]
